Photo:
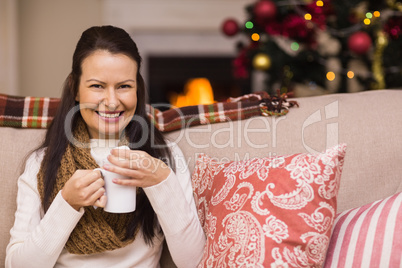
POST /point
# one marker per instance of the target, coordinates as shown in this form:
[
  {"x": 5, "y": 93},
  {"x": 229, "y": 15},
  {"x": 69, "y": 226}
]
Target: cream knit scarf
[{"x": 97, "y": 230}]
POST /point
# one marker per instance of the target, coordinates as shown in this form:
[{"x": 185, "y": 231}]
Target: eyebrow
[{"x": 98, "y": 81}]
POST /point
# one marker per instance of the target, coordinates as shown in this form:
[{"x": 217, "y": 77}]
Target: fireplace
[
  {"x": 171, "y": 58},
  {"x": 168, "y": 75}
]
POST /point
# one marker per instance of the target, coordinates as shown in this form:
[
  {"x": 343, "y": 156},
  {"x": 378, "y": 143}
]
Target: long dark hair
[{"x": 115, "y": 41}]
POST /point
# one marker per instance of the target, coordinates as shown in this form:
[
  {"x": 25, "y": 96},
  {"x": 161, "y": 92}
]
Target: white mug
[{"x": 120, "y": 198}]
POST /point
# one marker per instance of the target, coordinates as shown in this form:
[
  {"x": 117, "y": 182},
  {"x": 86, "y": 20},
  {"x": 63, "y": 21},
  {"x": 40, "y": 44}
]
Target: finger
[
  {"x": 125, "y": 171},
  {"x": 144, "y": 163},
  {"x": 120, "y": 162},
  {"x": 91, "y": 177},
  {"x": 94, "y": 187},
  {"x": 97, "y": 195},
  {"x": 91, "y": 193},
  {"x": 99, "y": 173},
  {"x": 121, "y": 153},
  {"x": 131, "y": 159},
  {"x": 128, "y": 182},
  {"x": 128, "y": 154},
  {"x": 101, "y": 202}
]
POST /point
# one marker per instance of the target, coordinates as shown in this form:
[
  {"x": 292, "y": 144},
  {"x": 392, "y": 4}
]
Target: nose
[{"x": 111, "y": 101}]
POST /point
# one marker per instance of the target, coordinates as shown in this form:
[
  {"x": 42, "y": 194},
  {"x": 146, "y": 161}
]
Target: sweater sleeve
[
  {"x": 37, "y": 239},
  {"x": 173, "y": 202}
]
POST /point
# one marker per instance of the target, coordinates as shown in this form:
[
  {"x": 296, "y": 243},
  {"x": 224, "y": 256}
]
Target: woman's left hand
[{"x": 143, "y": 169}]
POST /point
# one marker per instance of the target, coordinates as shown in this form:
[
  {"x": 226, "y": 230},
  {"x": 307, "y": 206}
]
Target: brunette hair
[{"x": 115, "y": 41}]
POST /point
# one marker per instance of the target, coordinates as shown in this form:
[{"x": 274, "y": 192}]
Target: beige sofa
[{"x": 370, "y": 123}]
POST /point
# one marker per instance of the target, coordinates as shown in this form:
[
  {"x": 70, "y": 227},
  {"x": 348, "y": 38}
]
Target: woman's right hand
[{"x": 85, "y": 188}]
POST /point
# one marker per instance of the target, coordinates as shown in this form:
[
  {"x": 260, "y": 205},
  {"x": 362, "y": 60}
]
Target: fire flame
[{"x": 196, "y": 91}]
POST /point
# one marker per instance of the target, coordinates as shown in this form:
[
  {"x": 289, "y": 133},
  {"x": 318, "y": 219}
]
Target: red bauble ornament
[
  {"x": 393, "y": 27},
  {"x": 359, "y": 43},
  {"x": 230, "y": 27},
  {"x": 265, "y": 10}
]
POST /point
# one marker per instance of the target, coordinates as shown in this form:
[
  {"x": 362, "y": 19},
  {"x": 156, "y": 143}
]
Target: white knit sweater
[{"x": 38, "y": 239}]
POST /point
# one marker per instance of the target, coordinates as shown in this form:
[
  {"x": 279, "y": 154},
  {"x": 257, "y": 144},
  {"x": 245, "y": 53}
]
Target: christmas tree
[{"x": 317, "y": 47}]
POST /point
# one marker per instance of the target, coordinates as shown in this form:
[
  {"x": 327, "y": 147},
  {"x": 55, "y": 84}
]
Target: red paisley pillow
[{"x": 268, "y": 212}]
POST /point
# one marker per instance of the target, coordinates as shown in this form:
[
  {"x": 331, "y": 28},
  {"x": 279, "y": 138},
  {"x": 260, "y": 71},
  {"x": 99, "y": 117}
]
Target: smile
[{"x": 109, "y": 115}]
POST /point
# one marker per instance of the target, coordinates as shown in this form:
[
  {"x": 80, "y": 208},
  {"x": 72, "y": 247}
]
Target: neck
[{"x": 104, "y": 143}]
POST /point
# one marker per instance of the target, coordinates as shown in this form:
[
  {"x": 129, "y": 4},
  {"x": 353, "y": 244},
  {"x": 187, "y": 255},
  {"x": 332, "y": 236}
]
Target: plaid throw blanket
[
  {"x": 38, "y": 112},
  {"x": 27, "y": 112}
]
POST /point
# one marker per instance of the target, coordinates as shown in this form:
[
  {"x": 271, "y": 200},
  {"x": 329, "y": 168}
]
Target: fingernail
[
  {"x": 114, "y": 180},
  {"x": 106, "y": 166}
]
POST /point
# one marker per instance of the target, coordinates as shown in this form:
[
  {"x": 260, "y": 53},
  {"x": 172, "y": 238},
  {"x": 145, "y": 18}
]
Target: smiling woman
[
  {"x": 107, "y": 93},
  {"x": 60, "y": 220}
]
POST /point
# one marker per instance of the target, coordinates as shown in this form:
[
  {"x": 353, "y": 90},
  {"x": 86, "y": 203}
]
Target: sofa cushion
[
  {"x": 267, "y": 211},
  {"x": 369, "y": 235}
]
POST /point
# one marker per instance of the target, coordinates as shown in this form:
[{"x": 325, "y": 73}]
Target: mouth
[{"x": 107, "y": 115}]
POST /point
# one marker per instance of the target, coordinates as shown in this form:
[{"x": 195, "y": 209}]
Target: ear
[{"x": 77, "y": 97}]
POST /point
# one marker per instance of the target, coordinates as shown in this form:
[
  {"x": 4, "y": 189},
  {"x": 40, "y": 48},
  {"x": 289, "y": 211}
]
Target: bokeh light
[
  {"x": 331, "y": 76},
  {"x": 255, "y": 37},
  {"x": 319, "y": 3},
  {"x": 249, "y": 25},
  {"x": 295, "y": 46}
]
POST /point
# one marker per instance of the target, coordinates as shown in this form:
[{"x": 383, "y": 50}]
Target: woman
[{"x": 59, "y": 220}]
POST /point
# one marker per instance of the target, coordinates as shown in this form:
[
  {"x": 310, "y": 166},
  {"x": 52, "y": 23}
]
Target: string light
[
  {"x": 262, "y": 61},
  {"x": 249, "y": 25},
  {"x": 377, "y": 14},
  {"x": 331, "y": 76},
  {"x": 255, "y": 37},
  {"x": 295, "y": 46},
  {"x": 307, "y": 16},
  {"x": 369, "y": 15},
  {"x": 367, "y": 21},
  {"x": 319, "y": 3},
  {"x": 350, "y": 74}
]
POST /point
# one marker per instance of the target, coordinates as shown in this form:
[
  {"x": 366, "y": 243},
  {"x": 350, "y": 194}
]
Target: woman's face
[{"x": 107, "y": 93}]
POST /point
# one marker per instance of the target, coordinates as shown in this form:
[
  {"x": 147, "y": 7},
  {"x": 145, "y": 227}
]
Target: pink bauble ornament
[
  {"x": 359, "y": 42},
  {"x": 265, "y": 10},
  {"x": 230, "y": 27}
]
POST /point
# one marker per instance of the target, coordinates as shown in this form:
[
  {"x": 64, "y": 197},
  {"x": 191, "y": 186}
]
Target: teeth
[{"x": 115, "y": 115}]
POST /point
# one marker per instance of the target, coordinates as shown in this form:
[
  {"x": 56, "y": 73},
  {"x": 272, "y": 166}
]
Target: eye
[
  {"x": 96, "y": 86},
  {"x": 125, "y": 86}
]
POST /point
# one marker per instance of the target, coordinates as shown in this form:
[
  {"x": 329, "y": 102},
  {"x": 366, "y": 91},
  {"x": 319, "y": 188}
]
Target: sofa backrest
[{"x": 370, "y": 123}]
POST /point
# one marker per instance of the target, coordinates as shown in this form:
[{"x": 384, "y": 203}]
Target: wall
[
  {"x": 48, "y": 31},
  {"x": 173, "y": 15},
  {"x": 8, "y": 47}
]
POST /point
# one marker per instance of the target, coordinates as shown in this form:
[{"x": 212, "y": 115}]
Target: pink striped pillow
[{"x": 368, "y": 236}]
